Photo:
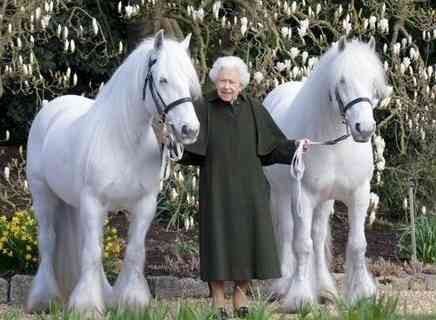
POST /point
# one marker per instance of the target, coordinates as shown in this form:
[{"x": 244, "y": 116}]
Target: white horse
[
  {"x": 340, "y": 93},
  {"x": 87, "y": 157}
]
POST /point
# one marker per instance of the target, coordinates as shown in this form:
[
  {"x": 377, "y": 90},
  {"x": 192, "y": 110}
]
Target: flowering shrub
[
  {"x": 18, "y": 242},
  {"x": 19, "y": 249}
]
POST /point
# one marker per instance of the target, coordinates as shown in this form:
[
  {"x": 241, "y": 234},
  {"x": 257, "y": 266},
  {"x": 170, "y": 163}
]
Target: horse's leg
[
  {"x": 131, "y": 289},
  {"x": 320, "y": 233},
  {"x": 87, "y": 296},
  {"x": 358, "y": 281},
  {"x": 282, "y": 218},
  {"x": 302, "y": 289},
  {"x": 44, "y": 288}
]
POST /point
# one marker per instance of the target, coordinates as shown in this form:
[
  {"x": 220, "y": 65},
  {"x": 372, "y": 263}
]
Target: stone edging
[{"x": 15, "y": 290}]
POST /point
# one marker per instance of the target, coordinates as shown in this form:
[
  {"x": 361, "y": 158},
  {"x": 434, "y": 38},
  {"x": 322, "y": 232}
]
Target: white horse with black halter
[
  {"x": 87, "y": 157},
  {"x": 336, "y": 101}
]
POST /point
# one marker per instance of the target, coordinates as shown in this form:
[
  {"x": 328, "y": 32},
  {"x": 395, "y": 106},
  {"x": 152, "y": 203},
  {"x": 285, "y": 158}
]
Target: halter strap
[
  {"x": 343, "y": 109},
  {"x": 161, "y": 106}
]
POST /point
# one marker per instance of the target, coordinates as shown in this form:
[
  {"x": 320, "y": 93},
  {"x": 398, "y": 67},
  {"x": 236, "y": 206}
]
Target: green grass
[{"x": 383, "y": 308}]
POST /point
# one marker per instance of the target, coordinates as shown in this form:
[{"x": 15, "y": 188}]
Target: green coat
[{"x": 236, "y": 232}]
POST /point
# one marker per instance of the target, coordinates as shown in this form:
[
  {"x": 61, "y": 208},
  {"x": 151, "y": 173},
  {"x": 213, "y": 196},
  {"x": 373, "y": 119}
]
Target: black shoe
[{"x": 241, "y": 312}]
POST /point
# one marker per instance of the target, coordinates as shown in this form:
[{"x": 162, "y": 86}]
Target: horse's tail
[{"x": 67, "y": 252}]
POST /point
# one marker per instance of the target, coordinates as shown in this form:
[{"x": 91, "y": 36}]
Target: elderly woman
[{"x": 237, "y": 137}]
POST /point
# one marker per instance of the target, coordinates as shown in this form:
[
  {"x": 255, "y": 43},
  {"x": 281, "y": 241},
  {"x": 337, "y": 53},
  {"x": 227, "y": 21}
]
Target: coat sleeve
[
  {"x": 195, "y": 153},
  {"x": 282, "y": 154},
  {"x": 272, "y": 144}
]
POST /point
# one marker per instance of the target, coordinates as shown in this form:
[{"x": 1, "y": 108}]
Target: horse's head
[
  {"x": 357, "y": 85},
  {"x": 170, "y": 83}
]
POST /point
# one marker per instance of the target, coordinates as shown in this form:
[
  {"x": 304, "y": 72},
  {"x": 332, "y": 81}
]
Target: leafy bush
[
  {"x": 425, "y": 226},
  {"x": 19, "y": 250}
]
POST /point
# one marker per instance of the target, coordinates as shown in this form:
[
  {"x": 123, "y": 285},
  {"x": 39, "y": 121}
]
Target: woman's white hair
[{"x": 230, "y": 62}]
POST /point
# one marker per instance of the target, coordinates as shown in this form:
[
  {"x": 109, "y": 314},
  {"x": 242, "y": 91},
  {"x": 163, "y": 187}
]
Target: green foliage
[
  {"x": 425, "y": 226},
  {"x": 383, "y": 308},
  {"x": 178, "y": 202},
  {"x": 19, "y": 250}
]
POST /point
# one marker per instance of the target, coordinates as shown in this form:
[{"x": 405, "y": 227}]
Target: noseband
[
  {"x": 161, "y": 106},
  {"x": 344, "y": 108}
]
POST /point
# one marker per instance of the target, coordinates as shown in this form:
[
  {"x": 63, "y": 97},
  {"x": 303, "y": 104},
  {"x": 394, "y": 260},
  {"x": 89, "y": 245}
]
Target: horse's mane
[
  {"x": 136, "y": 66},
  {"x": 357, "y": 58},
  {"x": 116, "y": 113}
]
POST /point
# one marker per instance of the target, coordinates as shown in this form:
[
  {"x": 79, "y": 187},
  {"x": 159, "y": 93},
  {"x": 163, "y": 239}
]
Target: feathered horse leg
[
  {"x": 320, "y": 236},
  {"x": 44, "y": 288},
  {"x": 131, "y": 288},
  {"x": 358, "y": 281},
  {"x": 302, "y": 289},
  {"x": 87, "y": 297}
]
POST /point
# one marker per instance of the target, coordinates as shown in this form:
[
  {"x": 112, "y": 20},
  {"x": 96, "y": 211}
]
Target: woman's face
[{"x": 228, "y": 84}]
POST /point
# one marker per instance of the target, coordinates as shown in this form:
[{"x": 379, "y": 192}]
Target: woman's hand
[{"x": 306, "y": 143}]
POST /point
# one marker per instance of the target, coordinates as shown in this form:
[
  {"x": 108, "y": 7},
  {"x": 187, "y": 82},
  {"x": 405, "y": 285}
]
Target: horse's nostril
[
  {"x": 358, "y": 127},
  {"x": 185, "y": 130}
]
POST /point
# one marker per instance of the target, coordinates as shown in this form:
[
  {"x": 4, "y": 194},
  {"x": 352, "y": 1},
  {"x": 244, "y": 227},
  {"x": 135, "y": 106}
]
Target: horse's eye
[{"x": 163, "y": 80}]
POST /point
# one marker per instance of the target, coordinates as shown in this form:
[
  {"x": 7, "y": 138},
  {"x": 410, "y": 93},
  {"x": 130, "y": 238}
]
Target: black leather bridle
[
  {"x": 161, "y": 106},
  {"x": 344, "y": 108}
]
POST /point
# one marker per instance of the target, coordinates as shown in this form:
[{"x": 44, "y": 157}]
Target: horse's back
[
  {"x": 279, "y": 100},
  {"x": 65, "y": 108}
]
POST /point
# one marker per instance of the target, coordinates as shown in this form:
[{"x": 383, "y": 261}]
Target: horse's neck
[
  {"x": 314, "y": 112},
  {"x": 121, "y": 117}
]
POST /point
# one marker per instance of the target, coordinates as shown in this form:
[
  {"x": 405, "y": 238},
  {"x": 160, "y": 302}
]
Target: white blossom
[
  {"x": 302, "y": 29},
  {"x": 75, "y": 79},
  {"x": 94, "y": 26},
  {"x": 25, "y": 185},
  {"x": 284, "y": 32},
  {"x": 385, "y": 48},
  {"x": 72, "y": 46},
  {"x": 318, "y": 8},
  {"x": 258, "y": 77},
  {"x": 365, "y": 24},
  {"x": 7, "y": 135},
  {"x": 372, "y": 22},
  {"x": 65, "y": 33},
  {"x": 6, "y": 173},
  {"x": 66, "y": 45},
  {"x": 402, "y": 68},
  {"x": 244, "y": 24},
  {"x": 37, "y": 13},
  {"x": 216, "y": 9},
  {"x": 32, "y": 39},
  {"x": 280, "y": 66},
  {"x": 422, "y": 134},
  {"x": 424, "y": 210},
  {"x": 405, "y": 204},
  {"x": 294, "y": 52},
  {"x": 120, "y": 47},
  {"x": 293, "y": 7},
  {"x": 304, "y": 56},
  {"x": 413, "y": 54},
  {"x": 19, "y": 44},
  {"x": 383, "y": 25},
  {"x": 9, "y": 28},
  {"x": 120, "y": 6}
]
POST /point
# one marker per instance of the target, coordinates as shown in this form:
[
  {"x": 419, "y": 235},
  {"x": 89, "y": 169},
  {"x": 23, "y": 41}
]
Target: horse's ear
[
  {"x": 371, "y": 43},
  {"x": 342, "y": 43},
  {"x": 158, "y": 40},
  {"x": 186, "y": 41}
]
